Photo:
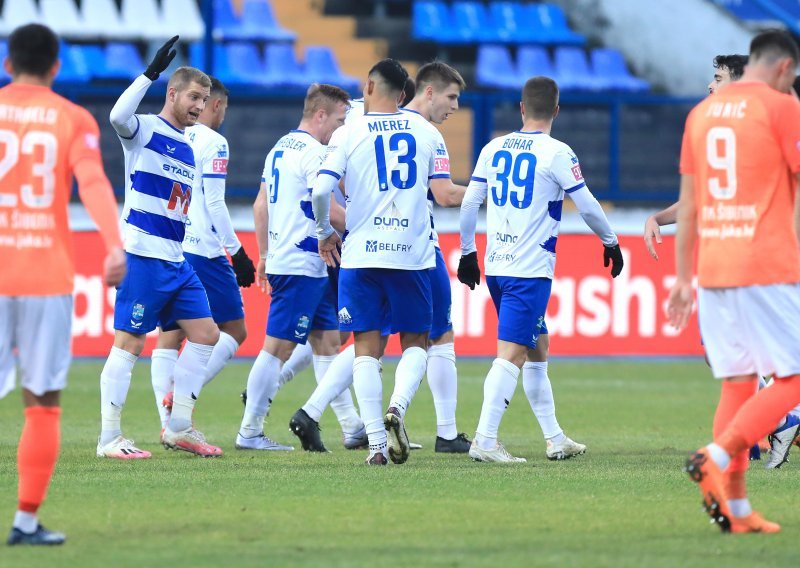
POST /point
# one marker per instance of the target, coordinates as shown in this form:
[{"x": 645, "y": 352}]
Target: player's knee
[
  {"x": 207, "y": 335},
  {"x": 236, "y": 329}
]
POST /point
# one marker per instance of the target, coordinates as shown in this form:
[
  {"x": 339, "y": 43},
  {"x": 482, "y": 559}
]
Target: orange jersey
[
  {"x": 42, "y": 137},
  {"x": 742, "y": 145}
]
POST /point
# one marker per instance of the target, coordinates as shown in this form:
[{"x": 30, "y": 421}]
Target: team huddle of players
[{"x": 347, "y": 246}]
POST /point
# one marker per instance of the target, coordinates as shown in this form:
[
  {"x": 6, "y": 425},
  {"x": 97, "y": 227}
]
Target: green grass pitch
[{"x": 625, "y": 503}]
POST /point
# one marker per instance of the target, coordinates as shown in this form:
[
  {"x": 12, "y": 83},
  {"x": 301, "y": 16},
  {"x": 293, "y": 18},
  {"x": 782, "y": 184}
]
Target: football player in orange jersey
[
  {"x": 45, "y": 141},
  {"x": 740, "y": 165}
]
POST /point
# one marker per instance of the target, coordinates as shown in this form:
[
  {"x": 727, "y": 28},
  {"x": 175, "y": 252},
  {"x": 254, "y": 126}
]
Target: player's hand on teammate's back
[
  {"x": 614, "y": 256},
  {"x": 161, "y": 59},
  {"x": 114, "y": 267},
  {"x": 469, "y": 272},
  {"x": 243, "y": 267},
  {"x": 652, "y": 235},
  {"x": 329, "y": 250}
]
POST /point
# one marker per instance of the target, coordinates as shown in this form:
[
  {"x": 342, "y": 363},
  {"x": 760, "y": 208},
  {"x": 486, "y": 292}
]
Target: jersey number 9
[
  {"x": 721, "y": 155},
  {"x": 513, "y": 166}
]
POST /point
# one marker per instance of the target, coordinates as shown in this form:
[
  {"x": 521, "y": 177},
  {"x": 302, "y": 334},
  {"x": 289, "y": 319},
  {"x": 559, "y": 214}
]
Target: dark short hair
[
  {"x": 182, "y": 77},
  {"x": 33, "y": 49},
  {"x": 540, "y": 95},
  {"x": 774, "y": 45},
  {"x": 322, "y": 96},
  {"x": 392, "y": 73},
  {"x": 218, "y": 88},
  {"x": 409, "y": 91},
  {"x": 440, "y": 75},
  {"x": 734, "y": 63}
]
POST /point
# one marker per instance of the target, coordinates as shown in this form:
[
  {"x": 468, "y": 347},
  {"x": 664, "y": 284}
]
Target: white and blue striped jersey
[
  {"x": 525, "y": 175},
  {"x": 159, "y": 179},
  {"x": 211, "y": 155},
  {"x": 387, "y": 161},
  {"x": 289, "y": 173}
]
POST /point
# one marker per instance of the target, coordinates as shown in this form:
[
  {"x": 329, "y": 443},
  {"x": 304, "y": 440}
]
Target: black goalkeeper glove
[
  {"x": 244, "y": 269},
  {"x": 469, "y": 272},
  {"x": 161, "y": 60},
  {"x": 613, "y": 255}
]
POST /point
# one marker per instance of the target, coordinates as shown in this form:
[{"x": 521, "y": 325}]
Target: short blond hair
[
  {"x": 185, "y": 76},
  {"x": 322, "y": 96}
]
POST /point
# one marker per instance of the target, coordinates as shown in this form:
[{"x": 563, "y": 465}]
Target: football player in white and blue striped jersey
[
  {"x": 160, "y": 288},
  {"x": 388, "y": 159},
  {"x": 209, "y": 236},
  {"x": 526, "y": 174},
  {"x": 302, "y": 308}
]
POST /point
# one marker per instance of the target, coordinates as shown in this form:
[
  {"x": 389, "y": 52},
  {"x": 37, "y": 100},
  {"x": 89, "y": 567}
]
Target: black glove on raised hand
[
  {"x": 161, "y": 59},
  {"x": 244, "y": 269},
  {"x": 613, "y": 255},
  {"x": 469, "y": 272}
]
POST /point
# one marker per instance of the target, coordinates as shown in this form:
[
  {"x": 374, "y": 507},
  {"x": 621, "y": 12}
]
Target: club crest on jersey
[
  {"x": 302, "y": 327},
  {"x": 137, "y": 315},
  {"x": 344, "y": 317},
  {"x": 222, "y": 151}
]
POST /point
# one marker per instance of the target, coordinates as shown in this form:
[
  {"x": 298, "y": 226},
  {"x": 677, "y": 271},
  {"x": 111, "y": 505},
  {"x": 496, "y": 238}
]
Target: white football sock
[
  {"x": 540, "y": 395},
  {"x": 223, "y": 352},
  {"x": 115, "y": 379},
  {"x": 26, "y": 522},
  {"x": 407, "y": 378},
  {"x": 369, "y": 392},
  {"x": 336, "y": 379},
  {"x": 720, "y": 456},
  {"x": 498, "y": 390},
  {"x": 162, "y": 365},
  {"x": 262, "y": 384},
  {"x": 189, "y": 373},
  {"x": 443, "y": 380},
  {"x": 300, "y": 359},
  {"x": 342, "y": 404}
]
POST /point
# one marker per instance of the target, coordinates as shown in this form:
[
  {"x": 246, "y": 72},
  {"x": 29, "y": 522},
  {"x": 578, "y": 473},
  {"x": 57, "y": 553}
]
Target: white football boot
[
  {"x": 260, "y": 442},
  {"x": 569, "y": 448},
  {"x": 498, "y": 454},
  {"x": 121, "y": 449}
]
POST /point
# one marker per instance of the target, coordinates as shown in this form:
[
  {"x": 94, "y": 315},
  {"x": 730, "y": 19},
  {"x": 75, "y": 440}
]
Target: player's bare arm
[
  {"x": 261, "y": 222},
  {"x": 653, "y": 224},
  {"x": 446, "y": 193},
  {"x": 681, "y": 296}
]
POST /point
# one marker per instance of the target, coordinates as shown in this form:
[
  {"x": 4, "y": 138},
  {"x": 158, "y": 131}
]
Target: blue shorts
[
  {"x": 367, "y": 295},
  {"x": 441, "y": 296},
  {"x": 219, "y": 280},
  {"x": 158, "y": 293},
  {"x": 521, "y": 304},
  {"x": 300, "y": 304}
]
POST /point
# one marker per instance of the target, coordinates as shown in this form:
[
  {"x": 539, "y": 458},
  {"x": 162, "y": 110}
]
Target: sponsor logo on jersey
[
  {"x": 170, "y": 149},
  {"x": 505, "y": 238},
  {"x": 441, "y": 166},
  {"x": 573, "y": 158},
  {"x": 222, "y": 151},
  {"x": 441, "y": 150},
  {"x": 273, "y": 236},
  {"x": 392, "y": 222},
  {"x": 501, "y": 257},
  {"x": 576, "y": 171},
  {"x": 219, "y": 165},
  {"x": 378, "y": 246},
  {"x": 344, "y": 317},
  {"x": 177, "y": 170}
]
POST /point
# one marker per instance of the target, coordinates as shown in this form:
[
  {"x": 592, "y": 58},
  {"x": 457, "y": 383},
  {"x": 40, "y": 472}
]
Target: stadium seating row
[
  {"x": 471, "y": 22},
  {"x": 569, "y": 67},
  {"x": 763, "y": 13},
  {"x": 145, "y": 19},
  {"x": 235, "y": 63}
]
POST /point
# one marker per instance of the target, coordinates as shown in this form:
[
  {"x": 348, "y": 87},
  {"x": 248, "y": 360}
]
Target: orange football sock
[
  {"x": 37, "y": 454},
  {"x": 731, "y": 398},
  {"x": 759, "y": 415}
]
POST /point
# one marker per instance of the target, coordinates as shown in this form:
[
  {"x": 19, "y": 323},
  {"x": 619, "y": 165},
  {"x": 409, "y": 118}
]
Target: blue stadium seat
[
  {"x": 239, "y": 63},
  {"x": 746, "y": 10},
  {"x": 473, "y": 23},
  {"x": 321, "y": 67},
  {"x": 495, "y": 68},
  {"x": 533, "y": 61},
  {"x": 431, "y": 20},
  {"x": 551, "y": 25},
  {"x": 573, "y": 71},
  {"x": 282, "y": 68},
  {"x": 511, "y": 21},
  {"x": 73, "y": 65},
  {"x": 4, "y": 77},
  {"x": 260, "y": 22},
  {"x": 610, "y": 69},
  {"x": 227, "y": 23},
  {"x": 123, "y": 61}
]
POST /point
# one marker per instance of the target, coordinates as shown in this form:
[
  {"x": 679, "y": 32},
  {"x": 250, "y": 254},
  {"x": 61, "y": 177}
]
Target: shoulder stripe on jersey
[
  {"x": 156, "y": 185},
  {"x": 330, "y": 173},
  {"x": 157, "y": 225},
  {"x": 135, "y": 132},
  {"x": 437, "y": 176},
  {"x": 478, "y": 179},
  {"x": 171, "y": 148},
  {"x": 222, "y": 176},
  {"x": 576, "y": 188}
]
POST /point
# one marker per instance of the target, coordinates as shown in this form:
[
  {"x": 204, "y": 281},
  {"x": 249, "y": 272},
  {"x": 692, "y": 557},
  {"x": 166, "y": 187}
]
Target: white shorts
[
  {"x": 40, "y": 328},
  {"x": 751, "y": 330}
]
